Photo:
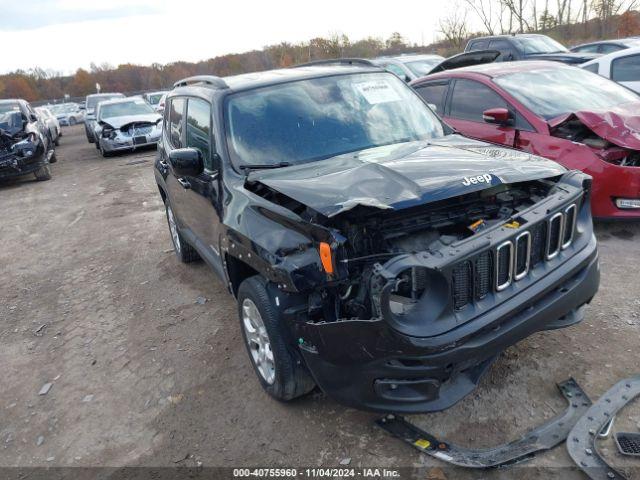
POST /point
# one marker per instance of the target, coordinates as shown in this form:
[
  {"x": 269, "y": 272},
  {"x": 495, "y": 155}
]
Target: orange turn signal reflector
[{"x": 325, "y": 257}]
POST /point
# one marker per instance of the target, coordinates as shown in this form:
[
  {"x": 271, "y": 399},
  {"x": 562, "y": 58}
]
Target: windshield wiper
[{"x": 247, "y": 167}]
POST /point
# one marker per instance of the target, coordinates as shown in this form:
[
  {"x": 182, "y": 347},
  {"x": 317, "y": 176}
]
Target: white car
[
  {"x": 622, "y": 66},
  {"x": 50, "y": 120}
]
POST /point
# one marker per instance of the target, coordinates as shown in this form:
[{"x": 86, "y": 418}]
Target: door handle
[{"x": 185, "y": 183}]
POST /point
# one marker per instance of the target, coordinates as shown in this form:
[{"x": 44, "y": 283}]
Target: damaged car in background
[
  {"x": 372, "y": 251},
  {"x": 25, "y": 144},
  {"x": 126, "y": 124},
  {"x": 563, "y": 113},
  {"x": 91, "y": 103}
]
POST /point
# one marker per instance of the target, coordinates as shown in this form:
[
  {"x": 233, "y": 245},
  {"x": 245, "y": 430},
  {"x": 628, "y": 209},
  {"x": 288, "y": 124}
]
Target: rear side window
[
  {"x": 396, "y": 70},
  {"x": 587, "y": 49},
  {"x": 199, "y": 129},
  {"x": 471, "y": 98},
  {"x": 434, "y": 94},
  {"x": 176, "y": 112},
  {"x": 610, "y": 48},
  {"x": 626, "y": 69},
  {"x": 478, "y": 45},
  {"x": 591, "y": 68},
  {"x": 506, "y": 50}
]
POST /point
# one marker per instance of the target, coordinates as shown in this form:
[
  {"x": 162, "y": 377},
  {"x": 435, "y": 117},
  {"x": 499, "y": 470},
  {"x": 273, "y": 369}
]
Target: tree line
[{"x": 569, "y": 21}]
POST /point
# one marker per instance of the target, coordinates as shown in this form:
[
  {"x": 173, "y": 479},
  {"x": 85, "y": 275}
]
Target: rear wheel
[
  {"x": 43, "y": 173},
  {"x": 57, "y": 140},
  {"x": 277, "y": 369},
  {"x": 72, "y": 121},
  {"x": 185, "y": 252}
]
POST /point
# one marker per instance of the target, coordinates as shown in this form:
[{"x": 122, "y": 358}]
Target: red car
[{"x": 575, "y": 117}]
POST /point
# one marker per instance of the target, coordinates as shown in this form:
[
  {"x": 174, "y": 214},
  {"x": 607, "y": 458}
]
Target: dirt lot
[{"x": 93, "y": 300}]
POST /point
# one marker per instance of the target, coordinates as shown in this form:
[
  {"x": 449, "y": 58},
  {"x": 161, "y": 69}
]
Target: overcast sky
[{"x": 63, "y": 35}]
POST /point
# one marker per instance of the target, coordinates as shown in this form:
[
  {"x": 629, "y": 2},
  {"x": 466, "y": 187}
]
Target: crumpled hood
[
  {"x": 118, "y": 122},
  {"x": 619, "y": 125},
  {"x": 401, "y": 176}
]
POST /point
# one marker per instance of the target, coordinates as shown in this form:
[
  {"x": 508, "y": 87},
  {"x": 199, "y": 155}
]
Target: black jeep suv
[
  {"x": 25, "y": 142},
  {"x": 371, "y": 250}
]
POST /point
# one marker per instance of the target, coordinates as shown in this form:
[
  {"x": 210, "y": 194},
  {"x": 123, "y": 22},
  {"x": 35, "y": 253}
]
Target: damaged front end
[
  {"x": 21, "y": 151},
  {"x": 613, "y": 138},
  {"x": 403, "y": 310},
  {"x": 130, "y": 135}
]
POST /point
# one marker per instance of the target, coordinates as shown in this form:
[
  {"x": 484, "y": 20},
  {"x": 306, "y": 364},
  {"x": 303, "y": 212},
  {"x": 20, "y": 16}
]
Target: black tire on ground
[
  {"x": 72, "y": 121},
  {"x": 185, "y": 252},
  {"x": 57, "y": 141},
  {"x": 43, "y": 173},
  {"x": 291, "y": 379},
  {"x": 53, "y": 158},
  {"x": 90, "y": 138},
  {"x": 103, "y": 152}
]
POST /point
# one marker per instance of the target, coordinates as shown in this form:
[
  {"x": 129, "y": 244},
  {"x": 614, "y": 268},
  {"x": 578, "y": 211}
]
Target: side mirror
[
  {"x": 499, "y": 116},
  {"x": 186, "y": 162}
]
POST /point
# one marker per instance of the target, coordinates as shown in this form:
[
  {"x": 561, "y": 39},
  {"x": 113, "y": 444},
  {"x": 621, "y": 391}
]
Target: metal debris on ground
[
  {"x": 544, "y": 437},
  {"x": 201, "y": 300},
  {"x": 45, "y": 389}
]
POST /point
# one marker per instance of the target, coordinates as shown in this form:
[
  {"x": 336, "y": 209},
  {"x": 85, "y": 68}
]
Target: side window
[
  {"x": 478, "y": 45},
  {"x": 610, "y": 48},
  {"x": 587, "y": 49},
  {"x": 591, "y": 68},
  {"x": 176, "y": 112},
  {"x": 506, "y": 50},
  {"x": 471, "y": 98},
  {"x": 434, "y": 94},
  {"x": 199, "y": 129},
  {"x": 626, "y": 69}
]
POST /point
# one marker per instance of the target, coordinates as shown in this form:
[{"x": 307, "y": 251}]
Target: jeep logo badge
[{"x": 486, "y": 178}]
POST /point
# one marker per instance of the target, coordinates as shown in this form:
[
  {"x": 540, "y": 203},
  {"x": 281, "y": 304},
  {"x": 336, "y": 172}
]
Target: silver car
[
  {"x": 51, "y": 122},
  {"x": 126, "y": 124},
  {"x": 153, "y": 99},
  {"x": 67, "y": 113}
]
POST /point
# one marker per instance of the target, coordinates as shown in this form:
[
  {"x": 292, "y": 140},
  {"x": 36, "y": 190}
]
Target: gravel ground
[{"x": 93, "y": 301}]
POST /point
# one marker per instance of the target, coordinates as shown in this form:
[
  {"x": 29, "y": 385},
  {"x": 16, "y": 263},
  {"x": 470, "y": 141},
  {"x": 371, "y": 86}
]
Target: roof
[
  {"x": 410, "y": 57},
  {"x": 498, "y": 69},
  {"x": 615, "y": 41},
  {"x": 12, "y": 100},
  {"x": 610, "y": 56},
  {"x": 104, "y": 94},
  {"x": 517, "y": 35},
  {"x": 121, "y": 100},
  {"x": 247, "y": 81}
]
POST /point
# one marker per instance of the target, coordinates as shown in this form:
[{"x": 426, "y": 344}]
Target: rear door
[
  {"x": 435, "y": 94},
  {"x": 173, "y": 130}
]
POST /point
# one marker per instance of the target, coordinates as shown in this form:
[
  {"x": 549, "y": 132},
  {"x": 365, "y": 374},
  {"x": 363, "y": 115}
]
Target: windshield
[
  {"x": 313, "y": 119},
  {"x": 423, "y": 67},
  {"x": 9, "y": 107},
  {"x": 556, "y": 91},
  {"x": 94, "y": 100},
  {"x": 121, "y": 109},
  {"x": 534, "y": 45},
  {"x": 154, "y": 99}
]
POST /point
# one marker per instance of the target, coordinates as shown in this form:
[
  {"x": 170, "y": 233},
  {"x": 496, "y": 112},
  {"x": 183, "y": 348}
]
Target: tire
[
  {"x": 57, "y": 141},
  {"x": 53, "y": 158},
  {"x": 43, "y": 173},
  {"x": 278, "y": 371},
  {"x": 103, "y": 152},
  {"x": 90, "y": 138},
  {"x": 72, "y": 121},
  {"x": 185, "y": 252}
]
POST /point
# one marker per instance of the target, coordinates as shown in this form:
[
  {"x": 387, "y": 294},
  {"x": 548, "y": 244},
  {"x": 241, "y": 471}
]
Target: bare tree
[
  {"x": 454, "y": 26},
  {"x": 486, "y": 12}
]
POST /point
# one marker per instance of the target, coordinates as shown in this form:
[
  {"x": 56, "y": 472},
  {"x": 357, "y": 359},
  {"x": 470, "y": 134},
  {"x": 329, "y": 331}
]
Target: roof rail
[
  {"x": 338, "y": 61},
  {"x": 211, "y": 80}
]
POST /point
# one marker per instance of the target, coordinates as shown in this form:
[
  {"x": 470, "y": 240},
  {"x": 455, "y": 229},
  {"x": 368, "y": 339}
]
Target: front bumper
[
  {"x": 123, "y": 142},
  {"x": 15, "y": 166},
  {"x": 367, "y": 364}
]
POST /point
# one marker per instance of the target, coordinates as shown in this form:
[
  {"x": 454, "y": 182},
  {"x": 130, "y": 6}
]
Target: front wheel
[
  {"x": 278, "y": 371},
  {"x": 103, "y": 152},
  {"x": 43, "y": 173}
]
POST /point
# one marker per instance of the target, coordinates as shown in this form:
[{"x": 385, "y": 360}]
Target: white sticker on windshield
[{"x": 377, "y": 91}]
